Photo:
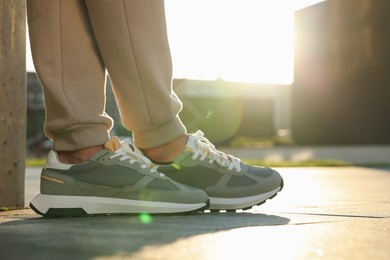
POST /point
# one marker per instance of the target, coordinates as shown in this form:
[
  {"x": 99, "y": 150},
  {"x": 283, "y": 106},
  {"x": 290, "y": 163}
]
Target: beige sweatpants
[{"x": 74, "y": 43}]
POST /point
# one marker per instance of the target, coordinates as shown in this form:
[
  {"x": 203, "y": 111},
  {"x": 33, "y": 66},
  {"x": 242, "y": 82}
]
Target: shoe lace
[
  {"x": 205, "y": 149},
  {"x": 129, "y": 152}
]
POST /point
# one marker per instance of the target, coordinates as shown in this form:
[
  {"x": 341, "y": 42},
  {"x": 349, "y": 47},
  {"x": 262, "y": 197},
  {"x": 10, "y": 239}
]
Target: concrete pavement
[{"x": 322, "y": 213}]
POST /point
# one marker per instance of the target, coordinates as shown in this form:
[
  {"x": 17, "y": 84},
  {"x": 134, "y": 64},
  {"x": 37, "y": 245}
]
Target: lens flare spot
[
  {"x": 209, "y": 114},
  {"x": 145, "y": 218}
]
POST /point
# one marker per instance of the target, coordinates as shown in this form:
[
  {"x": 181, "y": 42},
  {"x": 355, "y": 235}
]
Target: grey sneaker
[
  {"x": 229, "y": 183},
  {"x": 114, "y": 181}
]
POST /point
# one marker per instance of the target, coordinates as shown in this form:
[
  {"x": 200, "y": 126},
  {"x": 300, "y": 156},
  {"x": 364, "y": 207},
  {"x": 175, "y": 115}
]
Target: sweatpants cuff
[
  {"x": 80, "y": 136},
  {"x": 159, "y": 134}
]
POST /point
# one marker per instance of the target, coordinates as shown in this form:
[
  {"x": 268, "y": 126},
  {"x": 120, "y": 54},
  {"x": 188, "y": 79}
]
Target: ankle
[
  {"x": 167, "y": 152},
  {"x": 78, "y": 156}
]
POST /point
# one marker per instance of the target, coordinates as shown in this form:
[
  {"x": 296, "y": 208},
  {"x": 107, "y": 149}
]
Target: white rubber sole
[
  {"x": 240, "y": 203},
  {"x": 54, "y": 205}
]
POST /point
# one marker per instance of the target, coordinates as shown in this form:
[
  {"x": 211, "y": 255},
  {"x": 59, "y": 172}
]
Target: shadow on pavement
[{"x": 92, "y": 237}]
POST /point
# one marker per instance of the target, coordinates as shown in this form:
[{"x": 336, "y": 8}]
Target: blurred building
[
  {"x": 341, "y": 92},
  {"x": 226, "y": 110}
]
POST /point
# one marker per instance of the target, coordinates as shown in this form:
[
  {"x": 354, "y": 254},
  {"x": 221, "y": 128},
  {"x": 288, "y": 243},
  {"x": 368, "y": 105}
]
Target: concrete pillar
[{"x": 12, "y": 102}]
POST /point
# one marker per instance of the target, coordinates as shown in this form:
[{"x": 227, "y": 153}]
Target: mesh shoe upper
[
  {"x": 122, "y": 173},
  {"x": 201, "y": 165}
]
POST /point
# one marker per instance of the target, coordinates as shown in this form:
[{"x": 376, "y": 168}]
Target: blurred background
[{"x": 269, "y": 73}]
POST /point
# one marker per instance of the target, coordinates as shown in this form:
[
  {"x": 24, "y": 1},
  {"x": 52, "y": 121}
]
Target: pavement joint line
[
  {"x": 314, "y": 222},
  {"x": 333, "y": 215}
]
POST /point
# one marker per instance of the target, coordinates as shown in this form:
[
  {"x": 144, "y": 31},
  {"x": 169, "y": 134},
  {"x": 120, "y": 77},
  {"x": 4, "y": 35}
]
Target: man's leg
[
  {"x": 72, "y": 73},
  {"x": 132, "y": 39},
  {"x": 112, "y": 179}
]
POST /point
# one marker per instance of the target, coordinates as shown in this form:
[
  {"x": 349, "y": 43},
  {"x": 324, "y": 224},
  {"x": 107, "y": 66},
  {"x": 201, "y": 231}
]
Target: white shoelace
[
  {"x": 130, "y": 152},
  {"x": 205, "y": 149}
]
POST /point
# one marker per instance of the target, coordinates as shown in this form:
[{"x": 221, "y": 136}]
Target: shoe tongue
[
  {"x": 188, "y": 150},
  {"x": 191, "y": 144},
  {"x": 112, "y": 144}
]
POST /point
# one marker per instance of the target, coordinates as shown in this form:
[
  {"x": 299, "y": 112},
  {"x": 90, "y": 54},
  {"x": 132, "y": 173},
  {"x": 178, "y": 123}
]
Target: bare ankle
[
  {"x": 167, "y": 152},
  {"x": 78, "y": 156}
]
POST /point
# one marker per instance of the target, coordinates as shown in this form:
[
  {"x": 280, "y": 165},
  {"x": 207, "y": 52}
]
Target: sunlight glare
[{"x": 246, "y": 40}]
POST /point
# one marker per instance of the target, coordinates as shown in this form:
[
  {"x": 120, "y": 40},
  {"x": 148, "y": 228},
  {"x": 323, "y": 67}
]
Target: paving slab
[
  {"x": 322, "y": 213},
  {"x": 350, "y": 191}
]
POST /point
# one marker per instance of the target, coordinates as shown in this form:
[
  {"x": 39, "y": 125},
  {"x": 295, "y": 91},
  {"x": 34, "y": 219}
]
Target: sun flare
[
  {"x": 249, "y": 40},
  {"x": 236, "y": 40}
]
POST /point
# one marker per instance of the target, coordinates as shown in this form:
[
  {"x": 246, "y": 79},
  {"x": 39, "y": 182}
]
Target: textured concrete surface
[
  {"x": 323, "y": 213},
  {"x": 13, "y": 101}
]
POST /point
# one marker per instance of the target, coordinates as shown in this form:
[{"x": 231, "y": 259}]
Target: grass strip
[
  {"x": 35, "y": 162},
  {"x": 307, "y": 163}
]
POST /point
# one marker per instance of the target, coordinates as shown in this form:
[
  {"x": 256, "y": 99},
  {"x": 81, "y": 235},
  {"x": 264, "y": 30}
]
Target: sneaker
[
  {"x": 229, "y": 183},
  {"x": 114, "y": 181}
]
